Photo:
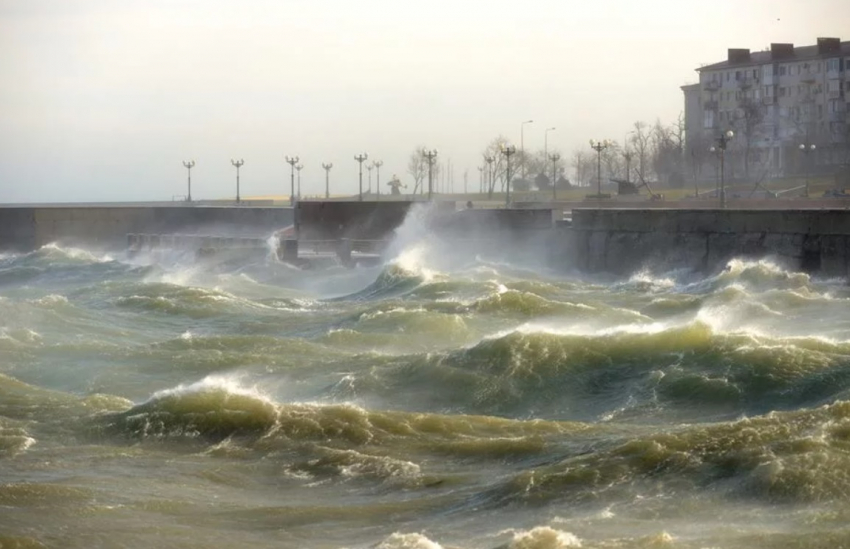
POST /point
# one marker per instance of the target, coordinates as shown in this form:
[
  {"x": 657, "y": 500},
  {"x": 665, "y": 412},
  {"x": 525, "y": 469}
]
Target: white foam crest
[
  {"x": 231, "y": 384},
  {"x": 541, "y": 537},
  {"x": 78, "y": 253},
  {"x": 408, "y": 541},
  {"x": 644, "y": 276}
]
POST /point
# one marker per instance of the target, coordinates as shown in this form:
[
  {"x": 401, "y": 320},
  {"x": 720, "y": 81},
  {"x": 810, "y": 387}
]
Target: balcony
[
  {"x": 809, "y": 77},
  {"x": 769, "y": 100},
  {"x": 710, "y": 106},
  {"x": 712, "y": 85},
  {"x": 747, "y": 82}
]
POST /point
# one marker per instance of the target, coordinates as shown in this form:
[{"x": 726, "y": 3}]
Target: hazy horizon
[{"x": 103, "y": 100}]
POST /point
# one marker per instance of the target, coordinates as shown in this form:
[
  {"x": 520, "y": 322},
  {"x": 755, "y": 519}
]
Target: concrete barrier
[
  {"x": 622, "y": 241},
  {"x": 28, "y": 228}
]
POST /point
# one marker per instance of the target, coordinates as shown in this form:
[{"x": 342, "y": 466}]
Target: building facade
[{"x": 774, "y": 101}]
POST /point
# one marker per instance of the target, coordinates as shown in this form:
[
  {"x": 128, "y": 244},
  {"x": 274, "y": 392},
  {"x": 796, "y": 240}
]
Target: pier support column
[
  {"x": 343, "y": 251},
  {"x": 288, "y": 250}
]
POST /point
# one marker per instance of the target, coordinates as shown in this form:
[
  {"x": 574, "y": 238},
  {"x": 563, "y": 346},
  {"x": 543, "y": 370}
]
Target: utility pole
[
  {"x": 430, "y": 155},
  {"x": 327, "y": 168},
  {"x": 292, "y": 161},
  {"x": 238, "y": 164},
  {"x": 361, "y": 158},
  {"x": 189, "y": 165}
]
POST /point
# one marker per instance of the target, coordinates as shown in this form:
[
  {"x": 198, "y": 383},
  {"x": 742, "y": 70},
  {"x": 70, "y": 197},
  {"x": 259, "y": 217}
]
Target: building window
[
  {"x": 782, "y": 70},
  {"x": 781, "y": 91}
]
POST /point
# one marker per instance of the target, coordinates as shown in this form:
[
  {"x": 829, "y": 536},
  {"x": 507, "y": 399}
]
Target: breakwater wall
[
  {"x": 622, "y": 241},
  {"x": 27, "y": 228}
]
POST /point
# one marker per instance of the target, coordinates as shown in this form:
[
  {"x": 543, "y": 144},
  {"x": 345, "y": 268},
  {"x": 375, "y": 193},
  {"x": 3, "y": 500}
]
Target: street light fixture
[
  {"x": 292, "y": 161},
  {"x": 361, "y": 158},
  {"x": 546, "y": 142},
  {"x": 554, "y": 158},
  {"x": 722, "y": 143},
  {"x": 238, "y": 164},
  {"x": 489, "y": 160},
  {"x": 378, "y": 164},
  {"x": 369, "y": 168},
  {"x": 522, "y": 147},
  {"x": 806, "y": 149},
  {"x": 430, "y": 155},
  {"x": 327, "y": 168},
  {"x": 189, "y": 165},
  {"x": 508, "y": 151},
  {"x": 599, "y": 146}
]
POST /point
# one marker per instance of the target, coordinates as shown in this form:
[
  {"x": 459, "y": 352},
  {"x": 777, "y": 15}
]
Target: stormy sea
[{"x": 442, "y": 398}]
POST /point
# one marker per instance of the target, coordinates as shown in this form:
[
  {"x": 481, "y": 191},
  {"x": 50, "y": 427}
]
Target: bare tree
[
  {"x": 494, "y": 150},
  {"x": 642, "y": 147},
  {"x": 747, "y": 124}
]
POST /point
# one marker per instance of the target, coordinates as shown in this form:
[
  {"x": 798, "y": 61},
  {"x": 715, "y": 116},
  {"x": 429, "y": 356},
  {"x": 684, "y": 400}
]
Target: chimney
[
  {"x": 738, "y": 55},
  {"x": 829, "y": 45},
  {"x": 781, "y": 51}
]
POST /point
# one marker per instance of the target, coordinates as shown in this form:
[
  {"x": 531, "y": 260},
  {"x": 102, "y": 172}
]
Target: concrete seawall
[
  {"x": 28, "y": 228},
  {"x": 622, "y": 241}
]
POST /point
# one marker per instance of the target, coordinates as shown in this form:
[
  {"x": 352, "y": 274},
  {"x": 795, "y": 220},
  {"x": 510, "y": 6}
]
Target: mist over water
[{"x": 450, "y": 397}]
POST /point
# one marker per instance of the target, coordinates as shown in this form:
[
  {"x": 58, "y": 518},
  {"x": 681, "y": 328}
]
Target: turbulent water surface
[{"x": 441, "y": 399}]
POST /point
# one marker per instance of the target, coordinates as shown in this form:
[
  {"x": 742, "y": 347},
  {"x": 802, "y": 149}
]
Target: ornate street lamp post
[
  {"x": 508, "y": 151},
  {"x": 292, "y": 161},
  {"x": 430, "y": 155},
  {"x": 327, "y": 168},
  {"x": 238, "y": 164},
  {"x": 378, "y": 164},
  {"x": 722, "y": 143},
  {"x": 189, "y": 165},
  {"x": 299, "y": 167},
  {"x": 361, "y": 158},
  {"x": 599, "y": 146},
  {"x": 489, "y": 160}
]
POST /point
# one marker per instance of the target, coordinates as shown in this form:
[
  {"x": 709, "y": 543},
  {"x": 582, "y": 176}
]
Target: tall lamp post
[
  {"x": 554, "y": 158},
  {"x": 489, "y": 160},
  {"x": 722, "y": 143},
  {"x": 299, "y": 167},
  {"x": 292, "y": 161},
  {"x": 546, "y": 142},
  {"x": 378, "y": 164},
  {"x": 238, "y": 164},
  {"x": 508, "y": 151},
  {"x": 327, "y": 168},
  {"x": 189, "y": 165},
  {"x": 522, "y": 149},
  {"x": 361, "y": 158},
  {"x": 628, "y": 155},
  {"x": 806, "y": 149},
  {"x": 430, "y": 155},
  {"x": 599, "y": 146},
  {"x": 369, "y": 168}
]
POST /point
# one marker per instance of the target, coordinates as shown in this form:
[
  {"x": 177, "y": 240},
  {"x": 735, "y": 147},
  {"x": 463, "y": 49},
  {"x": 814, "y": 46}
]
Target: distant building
[{"x": 774, "y": 100}]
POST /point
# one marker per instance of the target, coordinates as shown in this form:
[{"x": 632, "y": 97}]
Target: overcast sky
[{"x": 103, "y": 99}]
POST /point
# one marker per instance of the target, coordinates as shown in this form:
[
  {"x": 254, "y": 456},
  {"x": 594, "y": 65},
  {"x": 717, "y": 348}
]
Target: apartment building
[{"x": 774, "y": 101}]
